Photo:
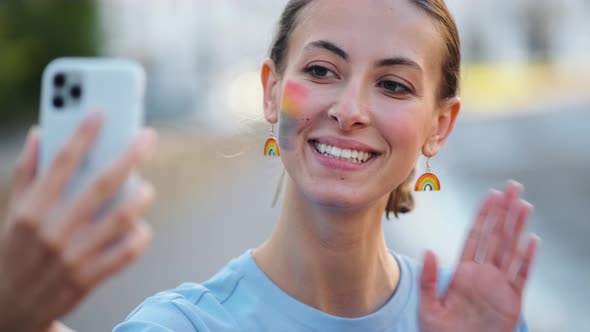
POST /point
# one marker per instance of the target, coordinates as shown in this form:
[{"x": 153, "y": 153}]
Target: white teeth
[{"x": 357, "y": 157}]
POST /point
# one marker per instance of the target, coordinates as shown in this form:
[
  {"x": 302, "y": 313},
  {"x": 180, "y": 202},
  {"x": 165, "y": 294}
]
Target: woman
[{"x": 358, "y": 90}]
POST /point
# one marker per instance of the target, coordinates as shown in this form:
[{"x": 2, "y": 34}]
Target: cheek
[
  {"x": 288, "y": 126},
  {"x": 295, "y": 114},
  {"x": 402, "y": 129}
]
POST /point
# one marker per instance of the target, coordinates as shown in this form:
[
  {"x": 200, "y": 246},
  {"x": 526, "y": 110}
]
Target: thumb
[{"x": 428, "y": 294}]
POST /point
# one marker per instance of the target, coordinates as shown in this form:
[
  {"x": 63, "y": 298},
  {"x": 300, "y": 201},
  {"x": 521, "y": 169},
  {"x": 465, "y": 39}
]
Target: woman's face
[{"x": 357, "y": 101}]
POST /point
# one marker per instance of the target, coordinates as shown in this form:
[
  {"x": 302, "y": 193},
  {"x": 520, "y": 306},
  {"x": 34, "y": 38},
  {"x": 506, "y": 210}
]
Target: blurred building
[
  {"x": 524, "y": 30},
  {"x": 190, "y": 48},
  {"x": 523, "y": 54},
  {"x": 196, "y": 49}
]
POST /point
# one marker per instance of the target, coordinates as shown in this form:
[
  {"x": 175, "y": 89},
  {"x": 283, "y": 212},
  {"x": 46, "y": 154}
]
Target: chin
[{"x": 338, "y": 197}]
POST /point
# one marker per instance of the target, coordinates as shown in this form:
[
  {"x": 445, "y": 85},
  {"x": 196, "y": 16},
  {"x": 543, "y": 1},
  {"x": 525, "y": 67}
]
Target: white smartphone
[{"x": 74, "y": 87}]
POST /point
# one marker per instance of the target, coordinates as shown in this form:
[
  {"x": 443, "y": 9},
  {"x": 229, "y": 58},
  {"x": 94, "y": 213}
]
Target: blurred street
[{"x": 215, "y": 196}]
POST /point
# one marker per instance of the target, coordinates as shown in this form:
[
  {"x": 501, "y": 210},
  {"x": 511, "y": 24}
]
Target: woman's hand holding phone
[{"x": 52, "y": 252}]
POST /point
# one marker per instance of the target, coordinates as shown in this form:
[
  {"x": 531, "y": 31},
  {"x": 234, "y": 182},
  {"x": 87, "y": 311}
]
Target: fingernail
[
  {"x": 93, "y": 118},
  {"x": 144, "y": 137},
  {"x": 515, "y": 184},
  {"x": 146, "y": 190},
  {"x": 146, "y": 141},
  {"x": 33, "y": 131},
  {"x": 496, "y": 194}
]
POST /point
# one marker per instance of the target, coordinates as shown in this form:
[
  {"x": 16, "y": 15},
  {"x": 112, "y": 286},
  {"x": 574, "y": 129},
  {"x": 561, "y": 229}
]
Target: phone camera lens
[
  {"x": 59, "y": 80},
  {"x": 58, "y": 102},
  {"x": 76, "y": 91}
]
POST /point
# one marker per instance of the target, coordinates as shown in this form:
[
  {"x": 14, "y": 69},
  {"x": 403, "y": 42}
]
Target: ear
[
  {"x": 442, "y": 126},
  {"x": 270, "y": 85}
]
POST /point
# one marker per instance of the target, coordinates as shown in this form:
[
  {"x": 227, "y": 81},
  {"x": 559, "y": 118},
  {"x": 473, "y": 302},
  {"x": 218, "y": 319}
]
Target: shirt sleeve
[
  {"x": 157, "y": 315},
  {"x": 522, "y": 326}
]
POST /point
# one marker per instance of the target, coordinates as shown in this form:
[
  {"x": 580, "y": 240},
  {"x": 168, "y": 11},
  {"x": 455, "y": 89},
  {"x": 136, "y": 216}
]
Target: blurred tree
[{"x": 32, "y": 33}]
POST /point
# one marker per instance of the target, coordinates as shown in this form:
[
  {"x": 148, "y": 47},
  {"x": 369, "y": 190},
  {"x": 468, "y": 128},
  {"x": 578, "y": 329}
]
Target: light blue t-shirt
[{"x": 242, "y": 298}]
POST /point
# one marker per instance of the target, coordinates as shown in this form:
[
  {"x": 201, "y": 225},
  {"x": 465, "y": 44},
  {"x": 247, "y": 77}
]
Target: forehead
[{"x": 372, "y": 29}]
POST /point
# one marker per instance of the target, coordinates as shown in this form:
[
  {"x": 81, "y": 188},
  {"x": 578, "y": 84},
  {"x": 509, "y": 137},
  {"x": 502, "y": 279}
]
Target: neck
[{"x": 335, "y": 261}]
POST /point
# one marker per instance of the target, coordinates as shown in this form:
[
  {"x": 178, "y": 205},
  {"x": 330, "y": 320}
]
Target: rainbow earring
[
  {"x": 271, "y": 148},
  {"x": 428, "y": 181}
]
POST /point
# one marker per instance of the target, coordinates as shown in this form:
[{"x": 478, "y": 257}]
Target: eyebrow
[
  {"x": 398, "y": 61},
  {"x": 328, "y": 46},
  {"x": 395, "y": 61}
]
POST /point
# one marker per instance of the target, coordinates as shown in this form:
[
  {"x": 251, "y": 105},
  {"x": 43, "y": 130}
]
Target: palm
[{"x": 485, "y": 293}]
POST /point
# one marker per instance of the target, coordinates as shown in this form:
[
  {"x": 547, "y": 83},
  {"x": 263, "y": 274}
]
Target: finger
[
  {"x": 69, "y": 158},
  {"x": 96, "y": 236},
  {"x": 27, "y": 165},
  {"x": 521, "y": 277},
  {"x": 496, "y": 234},
  {"x": 477, "y": 230},
  {"x": 111, "y": 180},
  {"x": 58, "y": 327},
  {"x": 510, "y": 251},
  {"x": 76, "y": 283},
  {"x": 119, "y": 255},
  {"x": 428, "y": 280}
]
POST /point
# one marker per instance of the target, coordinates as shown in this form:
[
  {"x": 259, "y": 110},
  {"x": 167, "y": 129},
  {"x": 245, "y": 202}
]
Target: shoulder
[
  {"x": 188, "y": 307},
  {"x": 165, "y": 311}
]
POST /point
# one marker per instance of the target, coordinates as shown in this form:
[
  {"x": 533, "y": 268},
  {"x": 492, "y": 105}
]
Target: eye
[
  {"x": 394, "y": 87},
  {"x": 319, "y": 71}
]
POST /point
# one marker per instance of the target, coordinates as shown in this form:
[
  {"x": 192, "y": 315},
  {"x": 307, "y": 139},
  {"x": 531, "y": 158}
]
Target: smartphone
[{"x": 74, "y": 87}]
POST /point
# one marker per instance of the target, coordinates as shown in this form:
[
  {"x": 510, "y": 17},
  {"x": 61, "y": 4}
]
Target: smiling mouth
[{"x": 353, "y": 156}]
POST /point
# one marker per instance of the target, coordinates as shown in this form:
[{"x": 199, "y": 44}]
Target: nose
[{"x": 351, "y": 111}]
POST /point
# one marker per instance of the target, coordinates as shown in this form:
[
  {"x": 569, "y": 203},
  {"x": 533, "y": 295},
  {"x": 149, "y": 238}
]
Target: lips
[
  {"x": 354, "y": 156},
  {"x": 341, "y": 153}
]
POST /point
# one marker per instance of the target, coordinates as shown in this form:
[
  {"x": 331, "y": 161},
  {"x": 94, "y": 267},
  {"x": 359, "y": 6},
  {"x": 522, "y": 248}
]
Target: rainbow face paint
[
  {"x": 293, "y": 98},
  {"x": 427, "y": 182}
]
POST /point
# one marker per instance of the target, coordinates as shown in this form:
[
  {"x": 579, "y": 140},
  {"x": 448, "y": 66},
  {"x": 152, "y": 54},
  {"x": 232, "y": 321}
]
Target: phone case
[{"x": 74, "y": 87}]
